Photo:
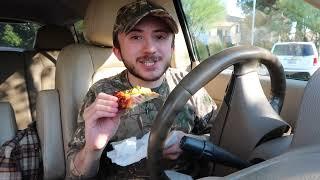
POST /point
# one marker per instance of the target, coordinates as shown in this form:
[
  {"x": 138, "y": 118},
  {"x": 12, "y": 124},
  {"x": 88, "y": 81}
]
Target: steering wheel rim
[{"x": 196, "y": 79}]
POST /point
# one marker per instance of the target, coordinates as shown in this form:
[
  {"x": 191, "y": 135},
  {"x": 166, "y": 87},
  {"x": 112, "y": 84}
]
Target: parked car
[{"x": 298, "y": 58}]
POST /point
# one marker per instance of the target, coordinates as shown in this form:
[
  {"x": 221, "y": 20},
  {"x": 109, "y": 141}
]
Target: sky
[{"x": 232, "y": 8}]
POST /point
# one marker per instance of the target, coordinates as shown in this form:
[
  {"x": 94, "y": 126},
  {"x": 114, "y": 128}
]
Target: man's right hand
[{"x": 101, "y": 121}]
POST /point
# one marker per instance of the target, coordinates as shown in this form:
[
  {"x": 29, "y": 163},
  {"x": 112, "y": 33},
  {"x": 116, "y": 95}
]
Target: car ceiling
[{"x": 57, "y": 12}]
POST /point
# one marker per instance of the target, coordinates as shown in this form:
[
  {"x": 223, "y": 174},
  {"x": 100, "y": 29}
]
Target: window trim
[{"x": 185, "y": 30}]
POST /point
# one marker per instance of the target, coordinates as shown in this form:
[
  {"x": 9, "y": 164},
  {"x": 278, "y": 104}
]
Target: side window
[
  {"x": 202, "y": 17},
  {"x": 293, "y": 24},
  {"x": 18, "y": 35},
  {"x": 78, "y": 26}
]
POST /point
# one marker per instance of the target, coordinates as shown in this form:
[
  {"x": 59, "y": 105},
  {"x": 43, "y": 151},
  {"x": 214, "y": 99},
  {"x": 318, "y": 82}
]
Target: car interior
[{"x": 269, "y": 121}]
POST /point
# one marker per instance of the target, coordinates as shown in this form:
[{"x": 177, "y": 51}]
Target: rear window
[
  {"x": 79, "y": 28},
  {"x": 293, "y": 50},
  {"x": 18, "y": 35}
]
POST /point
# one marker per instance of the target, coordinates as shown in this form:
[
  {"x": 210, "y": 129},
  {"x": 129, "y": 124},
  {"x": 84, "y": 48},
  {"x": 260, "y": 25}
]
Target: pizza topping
[
  {"x": 138, "y": 90},
  {"x": 124, "y": 100},
  {"x": 130, "y": 98}
]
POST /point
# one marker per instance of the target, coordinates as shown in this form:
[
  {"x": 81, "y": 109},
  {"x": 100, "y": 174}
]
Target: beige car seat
[
  {"x": 13, "y": 85},
  {"x": 41, "y": 62},
  {"x": 8, "y": 128}
]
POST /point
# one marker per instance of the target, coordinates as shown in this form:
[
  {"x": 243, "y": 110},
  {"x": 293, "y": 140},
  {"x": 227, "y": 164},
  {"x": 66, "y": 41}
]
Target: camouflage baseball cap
[{"x": 129, "y": 15}]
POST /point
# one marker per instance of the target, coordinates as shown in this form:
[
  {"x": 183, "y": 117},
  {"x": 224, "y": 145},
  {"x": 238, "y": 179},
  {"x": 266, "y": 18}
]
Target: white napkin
[{"x": 132, "y": 150}]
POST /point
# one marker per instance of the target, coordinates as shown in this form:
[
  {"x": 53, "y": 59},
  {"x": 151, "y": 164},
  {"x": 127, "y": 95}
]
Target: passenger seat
[
  {"x": 8, "y": 127},
  {"x": 13, "y": 86},
  {"x": 24, "y": 73},
  {"x": 41, "y": 63}
]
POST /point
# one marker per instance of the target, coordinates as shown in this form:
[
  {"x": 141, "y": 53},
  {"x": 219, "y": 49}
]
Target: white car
[{"x": 297, "y": 57}]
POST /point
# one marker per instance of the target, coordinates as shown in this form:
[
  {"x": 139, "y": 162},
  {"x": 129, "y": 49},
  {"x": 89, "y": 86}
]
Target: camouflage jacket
[{"x": 193, "y": 118}]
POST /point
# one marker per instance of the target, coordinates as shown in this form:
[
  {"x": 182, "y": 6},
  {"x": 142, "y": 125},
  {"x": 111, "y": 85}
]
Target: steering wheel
[{"x": 245, "y": 59}]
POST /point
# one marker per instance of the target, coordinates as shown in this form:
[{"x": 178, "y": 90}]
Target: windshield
[
  {"x": 215, "y": 25},
  {"x": 293, "y": 50}
]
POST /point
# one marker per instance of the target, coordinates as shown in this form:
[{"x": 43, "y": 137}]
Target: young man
[{"x": 143, "y": 38}]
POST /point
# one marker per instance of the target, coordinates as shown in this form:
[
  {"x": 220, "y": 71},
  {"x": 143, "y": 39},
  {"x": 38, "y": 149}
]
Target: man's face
[{"x": 147, "y": 49}]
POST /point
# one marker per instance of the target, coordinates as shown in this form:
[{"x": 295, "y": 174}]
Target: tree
[
  {"x": 27, "y": 32},
  {"x": 10, "y": 37},
  {"x": 21, "y": 35},
  {"x": 287, "y": 20},
  {"x": 79, "y": 27},
  {"x": 200, "y": 16},
  {"x": 306, "y": 17}
]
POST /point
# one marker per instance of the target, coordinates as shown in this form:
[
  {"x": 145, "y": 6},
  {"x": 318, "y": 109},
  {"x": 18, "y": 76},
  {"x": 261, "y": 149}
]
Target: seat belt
[{"x": 49, "y": 56}]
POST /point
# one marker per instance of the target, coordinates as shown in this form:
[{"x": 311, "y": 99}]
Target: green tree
[
  {"x": 79, "y": 27},
  {"x": 306, "y": 17},
  {"x": 282, "y": 17},
  {"x": 10, "y": 37},
  {"x": 27, "y": 32},
  {"x": 21, "y": 35},
  {"x": 200, "y": 16}
]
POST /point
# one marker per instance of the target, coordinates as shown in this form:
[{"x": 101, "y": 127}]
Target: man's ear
[{"x": 117, "y": 52}]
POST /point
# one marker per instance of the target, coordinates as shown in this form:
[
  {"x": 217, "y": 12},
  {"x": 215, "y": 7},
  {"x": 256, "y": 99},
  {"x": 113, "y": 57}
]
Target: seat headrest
[
  {"x": 99, "y": 20},
  {"x": 51, "y": 37}
]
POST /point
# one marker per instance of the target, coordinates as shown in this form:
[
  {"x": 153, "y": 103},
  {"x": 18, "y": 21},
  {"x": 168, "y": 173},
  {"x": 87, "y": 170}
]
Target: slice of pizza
[{"x": 132, "y": 97}]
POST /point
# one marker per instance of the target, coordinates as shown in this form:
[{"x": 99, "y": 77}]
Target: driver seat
[{"x": 78, "y": 67}]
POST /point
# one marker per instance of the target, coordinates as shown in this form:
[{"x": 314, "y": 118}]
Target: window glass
[
  {"x": 18, "y": 35},
  {"x": 293, "y": 50},
  {"x": 218, "y": 24},
  {"x": 79, "y": 27}
]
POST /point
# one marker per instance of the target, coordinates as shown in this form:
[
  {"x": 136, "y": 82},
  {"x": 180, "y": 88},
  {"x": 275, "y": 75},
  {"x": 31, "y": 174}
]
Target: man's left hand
[{"x": 174, "y": 151}]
